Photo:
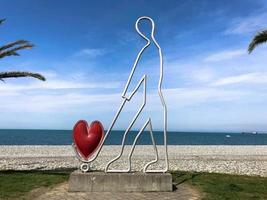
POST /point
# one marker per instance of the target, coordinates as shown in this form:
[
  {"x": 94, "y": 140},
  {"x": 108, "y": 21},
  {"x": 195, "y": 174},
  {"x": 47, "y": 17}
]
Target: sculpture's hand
[
  {"x": 128, "y": 98},
  {"x": 125, "y": 97}
]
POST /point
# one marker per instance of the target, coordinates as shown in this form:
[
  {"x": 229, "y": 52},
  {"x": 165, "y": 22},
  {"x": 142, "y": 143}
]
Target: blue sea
[{"x": 64, "y": 137}]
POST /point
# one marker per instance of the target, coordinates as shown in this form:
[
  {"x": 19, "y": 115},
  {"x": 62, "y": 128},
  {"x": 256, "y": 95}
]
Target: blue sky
[{"x": 86, "y": 50}]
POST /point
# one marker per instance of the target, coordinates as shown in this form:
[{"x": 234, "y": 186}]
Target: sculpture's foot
[
  {"x": 146, "y": 170},
  {"x": 107, "y": 170}
]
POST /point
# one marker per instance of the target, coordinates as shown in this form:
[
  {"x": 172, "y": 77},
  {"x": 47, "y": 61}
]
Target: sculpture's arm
[
  {"x": 135, "y": 89},
  {"x": 128, "y": 98}
]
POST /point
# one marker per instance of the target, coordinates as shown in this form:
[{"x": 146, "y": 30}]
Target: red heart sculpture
[{"x": 87, "y": 139}]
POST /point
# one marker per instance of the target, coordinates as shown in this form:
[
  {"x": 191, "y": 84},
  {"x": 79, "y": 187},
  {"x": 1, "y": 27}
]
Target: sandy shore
[{"x": 248, "y": 160}]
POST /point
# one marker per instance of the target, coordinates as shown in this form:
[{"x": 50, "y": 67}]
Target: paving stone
[{"x": 183, "y": 192}]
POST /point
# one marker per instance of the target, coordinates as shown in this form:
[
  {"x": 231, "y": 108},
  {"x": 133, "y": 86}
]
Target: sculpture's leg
[
  {"x": 165, "y": 144},
  {"x": 143, "y": 80},
  {"x": 123, "y": 145},
  {"x": 149, "y": 124}
]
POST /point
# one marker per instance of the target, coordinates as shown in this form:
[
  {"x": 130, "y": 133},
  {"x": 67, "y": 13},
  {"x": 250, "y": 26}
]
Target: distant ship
[
  {"x": 254, "y": 132},
  {"x": 228, "y": 136}
]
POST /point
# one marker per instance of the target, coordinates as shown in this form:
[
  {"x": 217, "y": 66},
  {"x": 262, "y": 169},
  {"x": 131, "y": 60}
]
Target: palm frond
[
  {"x": 2, "y": 21},
  {"x": 259, "y": 38},
  {"x": 10, "y": 50},
  {"x": 12, "y": 44},
  {"x": 13, "y": 51},
  {"x": 8, "y": 53},
  {"x": 18, "y": 74}
]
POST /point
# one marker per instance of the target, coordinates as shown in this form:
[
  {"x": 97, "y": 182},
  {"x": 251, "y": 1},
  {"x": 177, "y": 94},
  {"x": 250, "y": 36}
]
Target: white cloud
[
  {"x": 57, "y": 102},
  {"x": 243, "y": 78},
  {"x": 47, "y": 103},
  {"x": 49, "y": 74},
  {"x": 180, "y": 97},
  {"x": 247, "y": 24},
  {"x": 90, "y": 52},
  {"x": 202, "y": 74},
  {"x": 225, "y": 55},
  {"x": 57, "y": 84},
  {"x": 36, "y": 96}
]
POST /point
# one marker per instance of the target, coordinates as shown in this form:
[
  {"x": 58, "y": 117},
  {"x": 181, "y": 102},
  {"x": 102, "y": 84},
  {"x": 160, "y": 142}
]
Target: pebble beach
[{"x": 243, "y": 160}]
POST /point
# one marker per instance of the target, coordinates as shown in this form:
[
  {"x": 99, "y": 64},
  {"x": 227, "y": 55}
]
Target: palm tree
[
  {"x": 12, "y": 49},
  {"x": 259, "y": 38}
]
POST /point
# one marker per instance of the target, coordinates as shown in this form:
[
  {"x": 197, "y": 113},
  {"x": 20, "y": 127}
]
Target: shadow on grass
[{"x": 182, "y": 177}]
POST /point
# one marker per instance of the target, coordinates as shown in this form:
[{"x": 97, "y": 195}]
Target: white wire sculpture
[{"x": 148, "y": 124}]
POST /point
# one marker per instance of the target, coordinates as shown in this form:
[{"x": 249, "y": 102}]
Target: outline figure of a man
[{"x": 148, "y": 124}]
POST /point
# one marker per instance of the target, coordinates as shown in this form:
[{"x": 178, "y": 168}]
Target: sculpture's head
[{"x": 137, "y": 24}]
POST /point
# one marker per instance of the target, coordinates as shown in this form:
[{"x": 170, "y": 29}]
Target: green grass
[
  {"x": 222, "y": 186},
  {"x": 16, "y": 184}
]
